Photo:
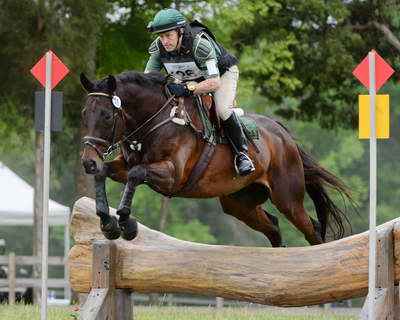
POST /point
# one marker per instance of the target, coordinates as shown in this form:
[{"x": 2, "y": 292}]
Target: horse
[{"x": 134, "y": 109}]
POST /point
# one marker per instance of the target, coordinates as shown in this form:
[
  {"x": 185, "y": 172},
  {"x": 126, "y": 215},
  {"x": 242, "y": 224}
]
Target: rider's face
[{"x": 169, "y": 40}]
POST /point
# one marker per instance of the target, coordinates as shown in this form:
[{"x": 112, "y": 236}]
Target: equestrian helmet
[{"x": 166, "y": 20}]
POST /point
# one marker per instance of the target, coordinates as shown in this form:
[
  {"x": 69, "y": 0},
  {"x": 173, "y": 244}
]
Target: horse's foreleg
[
  {"x": 128, "y": 225},
  {"x": 159, "y": 175},
  {"x": 108, "y": 224}
]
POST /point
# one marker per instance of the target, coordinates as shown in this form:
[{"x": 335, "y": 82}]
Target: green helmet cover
[{"x": 165, "y": 20}]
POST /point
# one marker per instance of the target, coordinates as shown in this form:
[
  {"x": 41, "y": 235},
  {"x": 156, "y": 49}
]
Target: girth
[{"x": 198, "y": 170}]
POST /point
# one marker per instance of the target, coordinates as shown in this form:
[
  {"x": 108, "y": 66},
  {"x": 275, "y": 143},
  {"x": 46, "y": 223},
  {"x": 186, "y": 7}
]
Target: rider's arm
[
  {"x": 206, "y": 57},
  {"x": 208, "y": 85},
  {"x": 154, "y": 63}
]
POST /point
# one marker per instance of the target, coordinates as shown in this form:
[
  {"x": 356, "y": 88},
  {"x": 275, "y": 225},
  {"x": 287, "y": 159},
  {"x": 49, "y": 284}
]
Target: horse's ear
[
  {"x": 86, "y": 83},
  {"x": 111, "y": 83}
]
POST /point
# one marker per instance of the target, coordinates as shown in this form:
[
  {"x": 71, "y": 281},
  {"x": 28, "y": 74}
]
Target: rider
[{"x": 190, "y": 53}]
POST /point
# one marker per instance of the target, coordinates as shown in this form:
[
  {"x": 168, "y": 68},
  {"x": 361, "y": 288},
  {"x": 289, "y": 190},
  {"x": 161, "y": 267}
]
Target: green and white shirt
[{"x": 206, "y": 54}]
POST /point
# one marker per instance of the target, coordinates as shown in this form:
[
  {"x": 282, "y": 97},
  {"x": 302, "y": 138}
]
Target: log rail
[{"x": 300, "y": 276}]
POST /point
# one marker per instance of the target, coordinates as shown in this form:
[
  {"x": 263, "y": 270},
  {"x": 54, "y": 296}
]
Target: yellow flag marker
[{"x": 382, "y": 116}]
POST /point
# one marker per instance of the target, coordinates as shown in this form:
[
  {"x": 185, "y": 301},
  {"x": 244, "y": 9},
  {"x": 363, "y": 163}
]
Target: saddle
[{"x": 211, "y": 122}]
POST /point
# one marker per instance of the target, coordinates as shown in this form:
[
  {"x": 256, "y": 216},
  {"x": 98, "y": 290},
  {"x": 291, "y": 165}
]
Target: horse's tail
[{"x": 316, "y": 179}]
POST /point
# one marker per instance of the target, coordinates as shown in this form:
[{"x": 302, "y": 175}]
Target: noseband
[{"x": 94, "y": 141}]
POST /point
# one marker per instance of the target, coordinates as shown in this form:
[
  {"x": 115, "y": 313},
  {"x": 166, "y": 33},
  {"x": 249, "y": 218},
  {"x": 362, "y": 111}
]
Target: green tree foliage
[
  {"x": 28, "y": 29},
  {"x": 125, "y": 40},
  {"x": 307, "y": 50},
  {"x": 296, "y": 62}
]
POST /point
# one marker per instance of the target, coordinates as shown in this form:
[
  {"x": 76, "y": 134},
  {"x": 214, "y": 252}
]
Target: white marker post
[
  {"x": 372, "y": 190},
  {"x": 46, "y": 184}
]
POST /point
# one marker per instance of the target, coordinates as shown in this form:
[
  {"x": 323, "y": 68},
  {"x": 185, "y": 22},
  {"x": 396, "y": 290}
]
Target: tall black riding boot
[{"x": 237, "y": 139}]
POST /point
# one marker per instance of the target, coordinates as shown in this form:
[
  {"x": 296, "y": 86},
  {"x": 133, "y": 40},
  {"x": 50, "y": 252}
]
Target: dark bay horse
[{"x": 162, "y": 154}]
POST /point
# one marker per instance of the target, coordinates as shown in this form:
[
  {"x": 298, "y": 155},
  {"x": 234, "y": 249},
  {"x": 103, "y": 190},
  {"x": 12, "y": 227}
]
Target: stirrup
[{"x": 248, "y": 158}]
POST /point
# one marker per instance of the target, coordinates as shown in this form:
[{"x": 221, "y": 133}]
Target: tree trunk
[
  {"x": 163, "y": 214},
  {"x": 85, "y": 183},
  {"x": 38, "y": 212}
]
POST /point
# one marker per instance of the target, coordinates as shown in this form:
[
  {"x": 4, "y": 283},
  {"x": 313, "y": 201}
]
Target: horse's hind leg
[
  {"x": 288, "y": 196},
  {"x": 255, "y": 217}
]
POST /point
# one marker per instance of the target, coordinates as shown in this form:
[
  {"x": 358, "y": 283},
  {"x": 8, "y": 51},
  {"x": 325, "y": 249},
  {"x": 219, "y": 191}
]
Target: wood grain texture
[
  {"x": 100, "y": 304},
  {"x": 155, "y": 262},
  {"x": 386, "y": 305}
]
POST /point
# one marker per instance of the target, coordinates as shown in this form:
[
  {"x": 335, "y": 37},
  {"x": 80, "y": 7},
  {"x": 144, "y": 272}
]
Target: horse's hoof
[
  {"x": 124, "y": 212},
  {"x": 129, "y": 229},
  {"x": 111, "y": 230}
]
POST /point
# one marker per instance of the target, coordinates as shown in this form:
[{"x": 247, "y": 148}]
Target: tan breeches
[{"x": 226, "y": 94}]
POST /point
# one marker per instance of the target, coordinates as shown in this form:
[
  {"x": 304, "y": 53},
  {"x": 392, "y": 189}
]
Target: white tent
[
  {"x": 16, "y": 207},
  {"x": 16, "y": 204}
]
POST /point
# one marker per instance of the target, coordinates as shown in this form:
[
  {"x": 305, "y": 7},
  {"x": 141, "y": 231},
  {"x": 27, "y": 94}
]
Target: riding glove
[{"x": 179, "y": 90}]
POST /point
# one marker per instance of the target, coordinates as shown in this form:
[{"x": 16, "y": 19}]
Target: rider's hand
[{"x": 179, "y": 90}]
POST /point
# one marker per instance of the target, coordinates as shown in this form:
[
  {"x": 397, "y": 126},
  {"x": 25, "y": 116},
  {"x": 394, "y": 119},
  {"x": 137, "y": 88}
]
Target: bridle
[
  {"x": 135, "y": 145},
  {"x": 94, "y": 141}
]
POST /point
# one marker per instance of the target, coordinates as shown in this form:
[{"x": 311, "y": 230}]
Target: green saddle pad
[{"x": 249, "y": 125}]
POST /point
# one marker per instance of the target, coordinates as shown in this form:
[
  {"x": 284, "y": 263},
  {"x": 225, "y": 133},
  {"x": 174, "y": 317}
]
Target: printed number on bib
[{"x": 183, "y": 70}]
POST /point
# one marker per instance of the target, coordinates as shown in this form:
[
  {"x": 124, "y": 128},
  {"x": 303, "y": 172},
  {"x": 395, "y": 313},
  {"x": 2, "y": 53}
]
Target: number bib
[{"x": 183, "y": 71}]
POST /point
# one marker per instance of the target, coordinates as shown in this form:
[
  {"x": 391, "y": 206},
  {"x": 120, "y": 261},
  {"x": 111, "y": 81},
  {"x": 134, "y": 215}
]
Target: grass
[{"x": 20, "y": 312}]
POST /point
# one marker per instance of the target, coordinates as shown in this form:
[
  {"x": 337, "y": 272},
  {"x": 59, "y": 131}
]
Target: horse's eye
[{"x": 107, "y": 117}]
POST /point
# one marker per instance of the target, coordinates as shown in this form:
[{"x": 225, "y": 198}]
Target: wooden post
[
  {"x": 397, "y": 301},
  {"x": 385, "y": 275},
  {"x": 104, "y": 302},
  {"x": 123, "y": 304},
  {"x": 219, "y": 304},
  {"x": 385, "y": 303},
  {"x": 99, "y": 302},
  {"x": 327, "y": 307},
  {"x": 11, "y": 278}
]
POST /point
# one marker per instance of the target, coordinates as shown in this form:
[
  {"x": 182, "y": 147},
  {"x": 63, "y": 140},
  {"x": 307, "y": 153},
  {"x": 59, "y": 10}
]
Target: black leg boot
[{"x": 237, "y": 139}]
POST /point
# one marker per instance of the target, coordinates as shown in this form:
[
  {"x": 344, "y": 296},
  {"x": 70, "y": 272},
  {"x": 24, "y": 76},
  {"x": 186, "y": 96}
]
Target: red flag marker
[
  {"x": 382, "y": 74},
  {"x": 59, "y": 70}
]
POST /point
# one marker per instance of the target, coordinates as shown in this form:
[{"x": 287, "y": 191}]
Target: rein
[{"x": 135, "y": 145}]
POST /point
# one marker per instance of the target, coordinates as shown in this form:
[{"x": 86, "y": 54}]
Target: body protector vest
[{"x": 182, "y": 65}]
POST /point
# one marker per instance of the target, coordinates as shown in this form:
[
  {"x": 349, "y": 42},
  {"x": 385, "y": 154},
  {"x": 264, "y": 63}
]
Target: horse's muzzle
[
  {"x": 91, "y": 160},
  {"x": 90, "y": 166}
]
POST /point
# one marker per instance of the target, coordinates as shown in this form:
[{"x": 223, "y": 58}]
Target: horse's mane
[{"x": 145, "y": 80}]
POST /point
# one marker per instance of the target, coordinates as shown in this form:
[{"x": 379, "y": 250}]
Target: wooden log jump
[{"x": 300, "y": 276}]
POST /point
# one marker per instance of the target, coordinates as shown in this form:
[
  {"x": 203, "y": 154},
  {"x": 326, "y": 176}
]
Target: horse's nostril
[{"x": 90, "y": 166}]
